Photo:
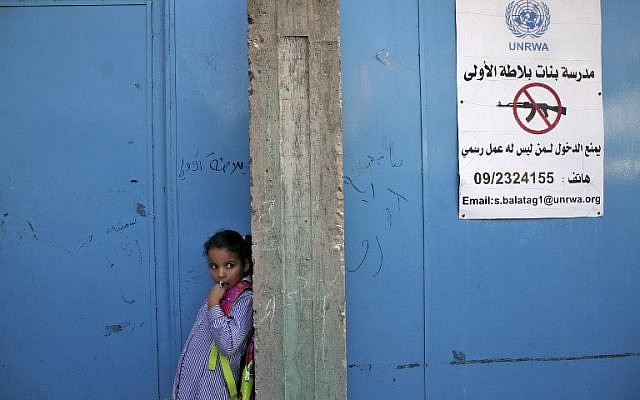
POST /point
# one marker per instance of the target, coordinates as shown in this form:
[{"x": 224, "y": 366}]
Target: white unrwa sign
[{"x": 530, "y": 129}]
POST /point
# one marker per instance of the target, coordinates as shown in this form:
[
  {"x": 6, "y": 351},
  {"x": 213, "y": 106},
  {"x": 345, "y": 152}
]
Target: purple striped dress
[{"x": 194, "y": 381}]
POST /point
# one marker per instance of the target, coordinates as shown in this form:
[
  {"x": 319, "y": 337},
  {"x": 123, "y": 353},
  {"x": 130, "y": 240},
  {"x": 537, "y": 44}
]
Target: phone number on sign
[{"x": 513, "y": 178}]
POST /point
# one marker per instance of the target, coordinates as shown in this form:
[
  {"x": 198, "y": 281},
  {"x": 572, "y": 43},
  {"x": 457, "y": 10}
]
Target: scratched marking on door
[{"x": 383, "y": 199}]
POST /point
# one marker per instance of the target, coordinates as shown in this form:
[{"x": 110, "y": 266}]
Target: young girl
[{"x": 199, "y": 375}]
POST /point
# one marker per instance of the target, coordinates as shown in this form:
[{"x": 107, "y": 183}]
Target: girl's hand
[{"x": 215, "y": 295}]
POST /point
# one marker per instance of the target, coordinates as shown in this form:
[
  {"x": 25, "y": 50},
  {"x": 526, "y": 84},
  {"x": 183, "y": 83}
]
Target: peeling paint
[
  {"x": 3, "y": 220},
  {"x": 459, "y": 358},
  {"x": 140, "y": 209},
  {"x": 120, "y": 327},
  {"x": 115, "y": 328},
  {"x": 361, "y": 367},
  {"x": 411, "y": 365}
]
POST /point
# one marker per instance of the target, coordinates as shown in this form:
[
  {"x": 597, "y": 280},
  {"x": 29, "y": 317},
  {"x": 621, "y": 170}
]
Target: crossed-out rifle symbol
[{"x": 542, "y": 106}]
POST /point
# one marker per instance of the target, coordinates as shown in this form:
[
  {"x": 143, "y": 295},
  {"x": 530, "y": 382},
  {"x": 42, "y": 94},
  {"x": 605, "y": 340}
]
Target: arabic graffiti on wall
[
  {"x": 213, "y": 163},
  {"x": 385, "y": 202}
]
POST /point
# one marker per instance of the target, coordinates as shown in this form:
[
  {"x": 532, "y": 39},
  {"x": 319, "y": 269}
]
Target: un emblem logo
[{"x": 527, "y": 18}]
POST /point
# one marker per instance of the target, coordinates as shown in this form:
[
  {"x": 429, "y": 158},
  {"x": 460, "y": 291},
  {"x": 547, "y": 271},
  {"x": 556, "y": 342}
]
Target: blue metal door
[
  {"x": 124, "y": 146},
  {"x": 383, "y": 199},
  {"x": 441, "y": 308},
  {"x": 78, "y": 316}
]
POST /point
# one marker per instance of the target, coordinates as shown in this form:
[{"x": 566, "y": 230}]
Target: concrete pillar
[{"x": 297, "y": 198}]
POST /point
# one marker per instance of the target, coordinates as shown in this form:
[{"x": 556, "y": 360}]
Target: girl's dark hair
[{"x": 231, "y": 241}]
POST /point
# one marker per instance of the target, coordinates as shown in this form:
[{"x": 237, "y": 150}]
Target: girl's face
[{"x": 226, "y": 266}]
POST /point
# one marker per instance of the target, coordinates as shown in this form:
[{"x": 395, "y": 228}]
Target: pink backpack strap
[{"x": 232, "y": 294}]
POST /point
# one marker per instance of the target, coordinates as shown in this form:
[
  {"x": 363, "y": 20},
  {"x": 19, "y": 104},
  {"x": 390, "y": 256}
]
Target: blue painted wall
[
  {"x": 124, "y": 128},
  {"x": 510, "y": 309},
  {"x": 117, "y": 120}
]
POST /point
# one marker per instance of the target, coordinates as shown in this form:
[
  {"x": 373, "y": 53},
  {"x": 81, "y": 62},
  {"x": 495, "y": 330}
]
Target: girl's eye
[
  {"x": 229, "y": 265},
  {"x": 212, "y": 266}
]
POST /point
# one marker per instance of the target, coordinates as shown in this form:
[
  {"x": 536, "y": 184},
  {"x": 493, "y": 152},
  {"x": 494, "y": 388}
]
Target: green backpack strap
[
  {"x": 226, "y": 370},
  {"x": 246, "y": 385}
]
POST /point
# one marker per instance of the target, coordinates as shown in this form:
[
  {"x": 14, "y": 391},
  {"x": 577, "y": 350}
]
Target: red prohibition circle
[{"x": 550, "y": 125}]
